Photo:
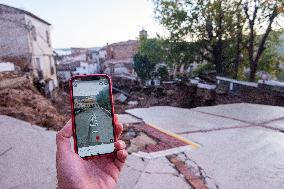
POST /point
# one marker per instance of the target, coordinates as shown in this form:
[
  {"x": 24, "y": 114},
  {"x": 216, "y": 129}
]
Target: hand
[{"x": 74, "y": 172}]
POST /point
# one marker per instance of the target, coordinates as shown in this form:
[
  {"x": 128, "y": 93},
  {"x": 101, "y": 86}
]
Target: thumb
[{"x": 63, "y": 137}]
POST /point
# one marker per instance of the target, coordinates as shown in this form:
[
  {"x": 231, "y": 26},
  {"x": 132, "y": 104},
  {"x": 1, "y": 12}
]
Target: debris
[
  {"x": 7, "y": 67},
  {"x": 121, "y": 98},
  {"x": 132, "y": 103},
  {"x": 140, "y": 141},
  {"x": 206, "y": 86},
  {"x": 26, "y": 103}
]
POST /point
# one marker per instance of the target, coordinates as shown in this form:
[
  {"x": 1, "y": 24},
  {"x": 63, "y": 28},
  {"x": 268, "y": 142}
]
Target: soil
[
  {"x": 165, "y": 95},
  {"x": 189, "y": 96},
  {"x": 250, "y": 96},
  {"x": 26, "y": 103}
]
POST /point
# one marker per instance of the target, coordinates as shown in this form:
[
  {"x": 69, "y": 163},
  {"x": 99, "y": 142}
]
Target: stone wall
[
  {"x": 122, "y": 50},
  {"x": 13, "y": 33}
]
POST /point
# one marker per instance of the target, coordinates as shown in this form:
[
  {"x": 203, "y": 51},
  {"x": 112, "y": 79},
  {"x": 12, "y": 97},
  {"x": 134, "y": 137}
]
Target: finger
[
  {"x": 63, "y": 137},
  {"x": 119, "y": 145},
  {"x": 66, "y": 131},
  {"x": 118, "y": 126},
  {"x": 121, "y": 156}
]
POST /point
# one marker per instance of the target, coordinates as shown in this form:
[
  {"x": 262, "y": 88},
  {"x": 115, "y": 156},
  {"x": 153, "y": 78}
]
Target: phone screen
[{"x": 93, "y": 117}]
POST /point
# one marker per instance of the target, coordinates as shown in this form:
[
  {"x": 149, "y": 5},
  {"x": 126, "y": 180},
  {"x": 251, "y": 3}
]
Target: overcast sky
[
  {"x": 92, "y": 23},
  {"x": 88, "y": 88}
]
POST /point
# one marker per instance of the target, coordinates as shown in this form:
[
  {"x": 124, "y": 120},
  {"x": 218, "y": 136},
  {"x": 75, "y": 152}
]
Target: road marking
[{"x": 194, "y": 145}]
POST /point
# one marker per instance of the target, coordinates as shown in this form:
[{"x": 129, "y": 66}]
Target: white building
[
  {"x": 66, "y": 71},
  {"x": 80, "y": 61},
  {"x": 25, "y": 40}
]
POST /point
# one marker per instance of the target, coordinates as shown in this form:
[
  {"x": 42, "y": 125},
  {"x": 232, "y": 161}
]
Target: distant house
[
  {"x": 25, "y": 40},
  {"x": 79, "y": 62},
  {"x": 119, "y": 58},
  {"x": 66, "y": 71}
]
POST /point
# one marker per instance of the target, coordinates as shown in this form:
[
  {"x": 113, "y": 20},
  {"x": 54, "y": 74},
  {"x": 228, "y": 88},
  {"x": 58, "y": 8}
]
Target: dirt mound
[
  {"x": 26, "y": 103},
  {"x": 164, "y": 95}
]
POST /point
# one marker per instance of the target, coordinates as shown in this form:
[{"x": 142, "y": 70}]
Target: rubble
[
  {"x": 140, "y": 141},
  {"x": 144, "y": 138},
  {"x": 21, "y": 100},
  {"x": 133, "y": 103},
  {"x": 194, "y": 93},
  {"x": 121, "y": 98},
  {"x": 7, "y": 66}
]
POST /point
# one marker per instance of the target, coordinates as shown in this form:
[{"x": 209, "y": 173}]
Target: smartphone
[{"x": 92, "y": 115}]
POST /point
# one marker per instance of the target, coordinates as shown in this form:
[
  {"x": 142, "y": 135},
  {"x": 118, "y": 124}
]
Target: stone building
[
  {"x": 25, "y": 40},
  {"x": 119, "y": 58}
]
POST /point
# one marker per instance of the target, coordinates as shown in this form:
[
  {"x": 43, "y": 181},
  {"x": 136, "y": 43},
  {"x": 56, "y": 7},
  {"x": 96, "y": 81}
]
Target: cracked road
[{"x": 241, "y": 145}]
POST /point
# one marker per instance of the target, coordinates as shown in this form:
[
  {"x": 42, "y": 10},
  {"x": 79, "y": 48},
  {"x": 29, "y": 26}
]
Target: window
[
  {"x": 38, "y": 63},
  {"x": 47, "y": 37},
  {"x": 33, "y": 32},
  {"x": 51, "y": 66}
]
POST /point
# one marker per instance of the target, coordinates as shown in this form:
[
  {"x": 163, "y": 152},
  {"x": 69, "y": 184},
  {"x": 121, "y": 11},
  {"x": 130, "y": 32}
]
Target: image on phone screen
[{"x": 93, "y": 118}]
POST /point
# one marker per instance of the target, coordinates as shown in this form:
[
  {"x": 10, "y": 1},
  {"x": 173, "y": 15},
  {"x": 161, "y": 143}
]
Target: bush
[
  {"x": 163, "y": 72},
  {"x": 143, "y": 67},
  {"x": 103, "y": 99}
]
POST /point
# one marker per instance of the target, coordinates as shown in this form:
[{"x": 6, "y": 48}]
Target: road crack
[{"x": 5, "y": 151}]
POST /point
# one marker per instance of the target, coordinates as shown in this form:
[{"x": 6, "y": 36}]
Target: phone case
[{"x": 73, "y": 115}]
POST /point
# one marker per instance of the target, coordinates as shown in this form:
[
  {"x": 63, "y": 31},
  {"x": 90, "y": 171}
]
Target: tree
[
  {"x": 103, "y": 99},
  {"x": 261, "y": 15},
  {"x": 179, "y": 53},
  {"x": 143, "y": 67},
  {"x": 163, "y": 72},
  {"x": 152, "y": 49},
  {"x": 271, "y": 59},
  {"x": 222, "y": 29},
  {"x": 208, "y": 23}
]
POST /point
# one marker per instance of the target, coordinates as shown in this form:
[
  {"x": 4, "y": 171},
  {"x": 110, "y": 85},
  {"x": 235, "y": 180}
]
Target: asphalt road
[
  {"x": 93, "y": 127},
  {"x": 240, "y": 145}
]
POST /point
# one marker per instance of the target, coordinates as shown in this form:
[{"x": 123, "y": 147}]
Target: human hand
[{"x": 74, "y": 172}]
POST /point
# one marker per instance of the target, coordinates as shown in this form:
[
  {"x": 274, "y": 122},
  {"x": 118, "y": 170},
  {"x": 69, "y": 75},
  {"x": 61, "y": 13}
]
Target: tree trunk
[
  {"x": 238, "y": 46},
  {"x": 261, "y": 47},
  {"x": 253, "y": 69}
]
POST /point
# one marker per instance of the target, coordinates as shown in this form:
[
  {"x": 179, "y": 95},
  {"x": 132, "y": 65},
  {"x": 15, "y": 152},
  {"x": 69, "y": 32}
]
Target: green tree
[
  {"x": 163, "y": 72},
  {"x": 152, "y": 49},
  {"x": 209, "y": 23},
  {"x": 271, "y": 59},
  {"x": 223, "y": 29},
  {"x": 179, "y": 53},
  {"x": 261, "y": 15},
  {"x": 143, "y": 67},
  {"x": 103, "y": 99}
]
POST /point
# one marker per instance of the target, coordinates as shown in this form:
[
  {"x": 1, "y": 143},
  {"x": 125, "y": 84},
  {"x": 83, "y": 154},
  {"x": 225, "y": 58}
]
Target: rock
[
  {"x": 140, "y": 142},
  {"x": 222, "y": 89},
  {"x": 121, "y": 98},
  {"x": 132, "y": 103},
  {"x": 131, "y": 133}
]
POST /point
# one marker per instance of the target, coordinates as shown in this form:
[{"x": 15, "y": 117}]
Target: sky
[
  {"x": 88, "y": 88},
  {"x": 93, "y": 23}
]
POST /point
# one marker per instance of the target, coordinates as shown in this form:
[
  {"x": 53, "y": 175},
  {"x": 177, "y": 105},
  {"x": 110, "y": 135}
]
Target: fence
[{"x": 275, "y": 88}]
